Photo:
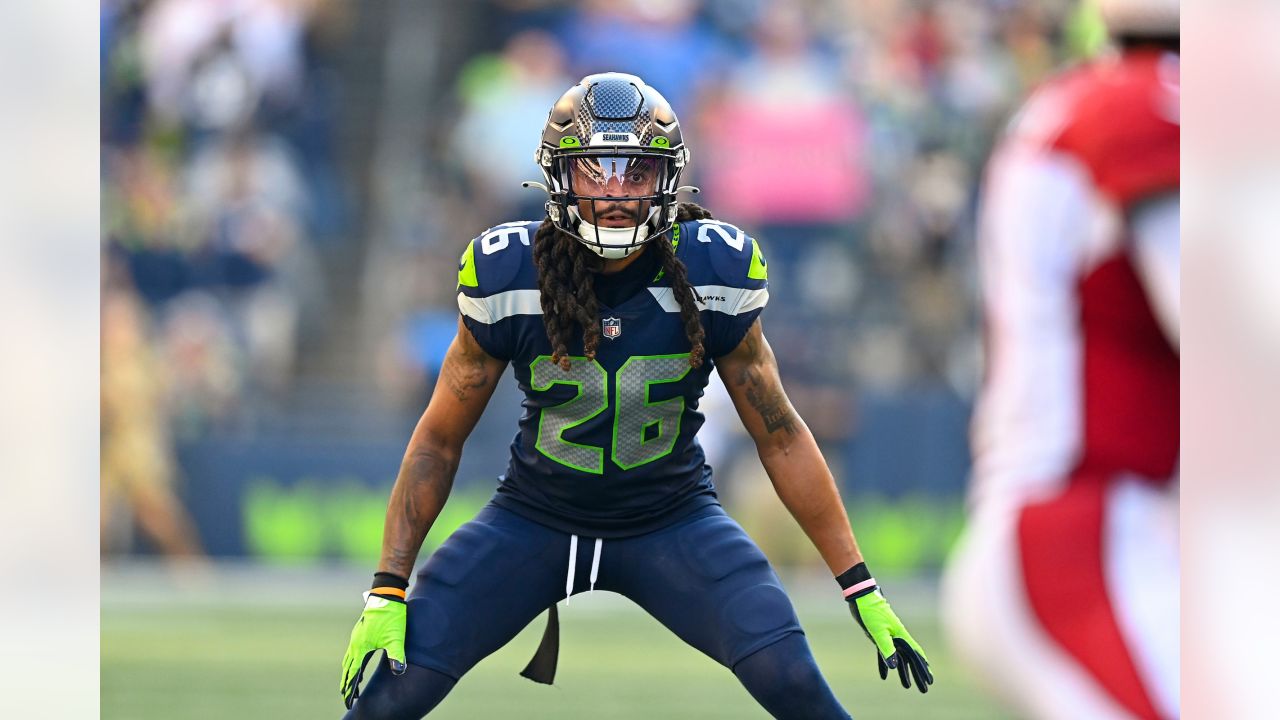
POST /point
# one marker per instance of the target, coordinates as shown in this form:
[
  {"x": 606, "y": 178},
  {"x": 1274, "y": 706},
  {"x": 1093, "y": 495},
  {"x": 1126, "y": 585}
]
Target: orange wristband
[{"x": 397, "y": 592}]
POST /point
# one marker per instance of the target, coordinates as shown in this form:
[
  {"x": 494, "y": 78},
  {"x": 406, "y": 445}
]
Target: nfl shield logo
[{"x": 611, "y": 328}]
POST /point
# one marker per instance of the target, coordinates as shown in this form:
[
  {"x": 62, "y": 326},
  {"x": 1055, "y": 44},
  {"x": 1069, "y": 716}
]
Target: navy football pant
[{"x": 702, "y": 577}]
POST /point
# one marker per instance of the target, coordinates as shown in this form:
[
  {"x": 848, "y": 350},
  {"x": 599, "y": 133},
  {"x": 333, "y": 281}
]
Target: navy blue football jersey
[{"x": 609, "y": 447}]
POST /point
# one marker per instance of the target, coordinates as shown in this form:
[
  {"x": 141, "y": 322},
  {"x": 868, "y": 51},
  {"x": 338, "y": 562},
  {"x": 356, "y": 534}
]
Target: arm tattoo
[
  {"x": 428, "y": 467},
  {"x": 464, "y": 372},
  {"x": 426, "y": 476},
  {"x": 767, "y": 400}
]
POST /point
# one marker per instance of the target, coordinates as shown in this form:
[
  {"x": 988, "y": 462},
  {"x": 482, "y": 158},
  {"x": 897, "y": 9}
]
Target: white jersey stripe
[
  {"x": 720, "y": 298},
  {"x": 489, "y": 310},
  {"x": 665, "y": 298}
]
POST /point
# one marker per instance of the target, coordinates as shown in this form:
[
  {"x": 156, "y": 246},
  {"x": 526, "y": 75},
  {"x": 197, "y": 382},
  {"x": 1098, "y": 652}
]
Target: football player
[
  {"x": 612, "y": 311},
  {"x": 1063, "y": 593}
]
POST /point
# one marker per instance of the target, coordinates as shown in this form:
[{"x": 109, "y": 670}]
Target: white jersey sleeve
[{"x": 1037, "y": 215}]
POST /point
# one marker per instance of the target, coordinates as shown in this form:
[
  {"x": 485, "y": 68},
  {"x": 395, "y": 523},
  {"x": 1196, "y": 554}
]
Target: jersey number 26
[{"x": 643, "y": 430}]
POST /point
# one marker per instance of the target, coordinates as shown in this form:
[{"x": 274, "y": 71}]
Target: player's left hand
[{"x": 895, "y": 648}]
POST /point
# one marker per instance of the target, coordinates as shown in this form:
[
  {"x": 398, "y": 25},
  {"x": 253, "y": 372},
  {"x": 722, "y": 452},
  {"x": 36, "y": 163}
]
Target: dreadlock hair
[{"x": 568, "y": 295}]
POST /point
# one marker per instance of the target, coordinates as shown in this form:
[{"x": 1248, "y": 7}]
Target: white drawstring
[
  {"x": 573, "y": 566},
  {"x": 595, "y": 564}
]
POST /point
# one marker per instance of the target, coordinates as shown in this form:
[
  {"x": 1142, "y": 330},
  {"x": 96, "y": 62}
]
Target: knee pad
[{"x": 760, "y": 609}]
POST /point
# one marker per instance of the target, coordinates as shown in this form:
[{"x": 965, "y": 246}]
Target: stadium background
[{"x": 286, "y": 186}]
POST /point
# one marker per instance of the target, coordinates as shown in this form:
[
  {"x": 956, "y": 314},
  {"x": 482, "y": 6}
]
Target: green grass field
[{"x": 232, "y": 645}]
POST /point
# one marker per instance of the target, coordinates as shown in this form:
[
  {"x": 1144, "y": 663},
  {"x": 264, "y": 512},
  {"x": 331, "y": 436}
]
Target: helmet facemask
[{"x": 612, "y": 199}]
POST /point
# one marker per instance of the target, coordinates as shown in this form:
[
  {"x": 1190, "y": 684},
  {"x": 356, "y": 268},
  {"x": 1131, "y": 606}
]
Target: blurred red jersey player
[{"x": 1063, "y": 594}]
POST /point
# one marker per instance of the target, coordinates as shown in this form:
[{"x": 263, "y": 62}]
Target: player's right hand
[{"x": 381, "y": 627}]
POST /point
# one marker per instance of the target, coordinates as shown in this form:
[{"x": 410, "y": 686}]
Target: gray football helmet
[{"x": 612, "y": 139}]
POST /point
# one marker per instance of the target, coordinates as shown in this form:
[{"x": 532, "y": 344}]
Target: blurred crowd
[
  {"x": 219, "y": 183},
  {"x": 847, "y": 135}
]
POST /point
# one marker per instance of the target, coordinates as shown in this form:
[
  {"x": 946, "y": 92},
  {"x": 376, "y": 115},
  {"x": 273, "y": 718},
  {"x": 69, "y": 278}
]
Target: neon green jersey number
[
  {"x": 635, "y": 416},
  {"x": 643, "y": 430},
  {"x": 589, "y": 402}
]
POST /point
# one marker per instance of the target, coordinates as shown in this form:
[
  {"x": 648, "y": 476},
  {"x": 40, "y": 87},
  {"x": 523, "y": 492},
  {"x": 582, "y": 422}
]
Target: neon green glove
[
  {"x": 381, "y": 627},
  {"x": 895, "y": 648}
]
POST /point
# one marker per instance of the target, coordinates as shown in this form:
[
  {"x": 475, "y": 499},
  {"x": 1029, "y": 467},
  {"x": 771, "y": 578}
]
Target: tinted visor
[{"x": 614, "y": 176}]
